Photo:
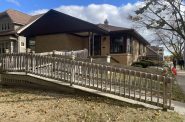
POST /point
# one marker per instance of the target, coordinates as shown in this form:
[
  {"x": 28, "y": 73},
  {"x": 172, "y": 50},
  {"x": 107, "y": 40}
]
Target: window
[
  {"x": 117, "y": 44},
  {"x": 144, "y": 49},
  {"x": 8, "y": 26},
  {"x": 31, "y": 44},
  {"x": 22, "y": 43},
  {"x": 139, "y": 48},
  {"x": 3, "y": 49},
  {"x": 2, "y": 26},
  {"x": 129, "y": 44},
  {"x": 6, "y": 45}
]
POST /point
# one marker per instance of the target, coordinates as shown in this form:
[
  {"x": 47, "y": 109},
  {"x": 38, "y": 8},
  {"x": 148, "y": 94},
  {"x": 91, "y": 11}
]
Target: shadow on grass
[{"x": 78, "y": 95}]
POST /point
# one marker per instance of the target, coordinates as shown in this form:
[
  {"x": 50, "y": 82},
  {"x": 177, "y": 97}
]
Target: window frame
[{"x": 112, "y": 39}]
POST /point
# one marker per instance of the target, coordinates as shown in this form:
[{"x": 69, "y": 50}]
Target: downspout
[
  {"x": 184, "y": 55},
  {"x": 89, "y": 43},
  {"x": 17, "y": 42},
  {"x": 93, "y": 44}
]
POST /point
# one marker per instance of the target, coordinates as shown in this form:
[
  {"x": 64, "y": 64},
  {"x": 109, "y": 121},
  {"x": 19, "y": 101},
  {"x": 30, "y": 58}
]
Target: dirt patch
[{"x": 23, "y": 105}]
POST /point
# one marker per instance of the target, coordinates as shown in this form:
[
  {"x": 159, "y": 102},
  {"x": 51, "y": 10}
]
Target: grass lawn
[
  {"x": 34, "y": 106},
  {"x": 177, "y": 93}
]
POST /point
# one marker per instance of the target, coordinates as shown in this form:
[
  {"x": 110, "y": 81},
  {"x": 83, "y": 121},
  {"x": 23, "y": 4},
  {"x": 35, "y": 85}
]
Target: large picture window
[
  {"x": 121, "y": 44},
  {"x": 117, "y": 44}
]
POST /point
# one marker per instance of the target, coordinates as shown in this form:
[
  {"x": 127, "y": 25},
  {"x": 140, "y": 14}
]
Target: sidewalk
[
  {"x": 181, "y": 79},
  {"x": 178, "y": 106}
]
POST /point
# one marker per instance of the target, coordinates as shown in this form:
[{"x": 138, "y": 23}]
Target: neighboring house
[
  {"x": 58, "y": 31},
  {"x": 155, "y": 53},
  {"x": 11, "y": 22}
]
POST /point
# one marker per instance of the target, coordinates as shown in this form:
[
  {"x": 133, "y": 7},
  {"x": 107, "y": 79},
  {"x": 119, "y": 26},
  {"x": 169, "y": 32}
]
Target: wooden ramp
[{"x": 106, "y": 79}]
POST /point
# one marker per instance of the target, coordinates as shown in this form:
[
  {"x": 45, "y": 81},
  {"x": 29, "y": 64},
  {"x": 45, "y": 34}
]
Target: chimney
[{"x": 106, "y": 22}]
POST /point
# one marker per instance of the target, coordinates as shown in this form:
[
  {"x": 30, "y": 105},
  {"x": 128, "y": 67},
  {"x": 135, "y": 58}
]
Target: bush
[
  {"x": 149, "y": 62},
  {"x": 141, "y": 64},
  {"x": 144, "y": 63}
]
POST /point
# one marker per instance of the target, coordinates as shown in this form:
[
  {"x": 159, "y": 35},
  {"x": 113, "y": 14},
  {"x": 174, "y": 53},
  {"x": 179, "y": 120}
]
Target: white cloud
[
  {"x": 40, "y": 11},
  {"x": 14, "y": 2},
  {"x": 97, "y": 13}
]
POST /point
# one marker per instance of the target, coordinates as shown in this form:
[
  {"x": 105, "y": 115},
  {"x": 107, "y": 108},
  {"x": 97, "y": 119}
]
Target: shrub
[
  {"x": 145, "y": 63},
  {"x": 149, "y": 62},
  {"x": 141, "y": 64}
]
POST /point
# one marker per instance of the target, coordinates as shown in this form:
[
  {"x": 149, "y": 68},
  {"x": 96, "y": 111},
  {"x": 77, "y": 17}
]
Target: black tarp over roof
[{"x": 54, "y": 22}]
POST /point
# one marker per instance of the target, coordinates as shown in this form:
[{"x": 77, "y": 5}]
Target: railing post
[
  {"x": 6, "y": 58},
  {"x": 91, "y": 60},
  {"x": 165, "y": 85},
  {"x": 32, "y": 61},
  {"x": 72, "y": 69},
  {"x": 26, "y": 60},
  {"x": 54, "y": 53},
  {"x": 108, "y": 58}
]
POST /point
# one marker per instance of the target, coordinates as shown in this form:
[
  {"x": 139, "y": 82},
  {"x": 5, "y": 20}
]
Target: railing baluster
[
  {"x": 106, "y": 77},
  {"x": 86, "y": 70},
  {"x": 101, "y": 77},
  {"x": 110, "y": 79},
  {"x": 124, "y": 81},
  {"x": 170, "y": 91},
  {"x": 158, "y": 89},
  {"x": 129, "y": 84},
  {"x": 134, "y": 84},
  {"x": 151, "y": 89},
  {"x": 97, "y": 76},
  {"x": 119, "y": 79},
  {"x": 140, "y": 86},
  {"x": 146, "y": 81}
]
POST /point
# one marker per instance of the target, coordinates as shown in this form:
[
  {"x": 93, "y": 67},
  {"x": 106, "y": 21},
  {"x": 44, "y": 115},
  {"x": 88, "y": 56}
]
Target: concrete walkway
[
  {"x": 181, "y": 79},
  {"x": 178, "y": 106}
]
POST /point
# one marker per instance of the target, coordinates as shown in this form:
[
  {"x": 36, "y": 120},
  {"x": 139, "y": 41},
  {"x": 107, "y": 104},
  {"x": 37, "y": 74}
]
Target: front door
[{"x": 96, "y": 46}]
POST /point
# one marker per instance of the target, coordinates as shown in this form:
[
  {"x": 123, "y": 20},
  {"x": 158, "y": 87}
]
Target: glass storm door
[{"x": 96, "y": 46}]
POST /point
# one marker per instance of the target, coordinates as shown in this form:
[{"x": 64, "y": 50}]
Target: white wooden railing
[{"x": 133, "y": 84}]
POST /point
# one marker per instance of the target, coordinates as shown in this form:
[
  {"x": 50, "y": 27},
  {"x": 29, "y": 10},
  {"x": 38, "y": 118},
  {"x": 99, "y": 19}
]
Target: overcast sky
[{"x": 95, "y": 11}]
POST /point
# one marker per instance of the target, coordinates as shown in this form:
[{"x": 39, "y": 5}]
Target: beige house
[
  {"x": 124, "y": 45},
  {"x": 11, "y": 24}
]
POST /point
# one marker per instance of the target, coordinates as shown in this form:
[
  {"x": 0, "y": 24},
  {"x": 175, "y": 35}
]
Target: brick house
[{"x": 124, "y": 45}]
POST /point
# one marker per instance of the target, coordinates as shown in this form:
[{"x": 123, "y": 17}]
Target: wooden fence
[
  {"x": 83, "y": 54},
  {"x": 141, "y": 86}
]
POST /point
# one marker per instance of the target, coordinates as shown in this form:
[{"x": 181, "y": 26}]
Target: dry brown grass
[{"x": 40, "y": 106}]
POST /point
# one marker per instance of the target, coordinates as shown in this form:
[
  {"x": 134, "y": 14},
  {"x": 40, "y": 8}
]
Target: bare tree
[
  {"x": 172, "y": 42},
  {"x": 166, "y": 18}
]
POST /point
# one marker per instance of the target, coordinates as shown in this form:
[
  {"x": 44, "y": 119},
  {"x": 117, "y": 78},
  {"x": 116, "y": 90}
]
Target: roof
[
  {"x": 63, "y": 23},
  {"x": 33, "y": 18},
  {"x": 54, "y": 22},
  {"x": 31, "y": 21},
  {"x": 111, "y": 28},
  {"x": 18, "y": 17},
  {"x": 115, "y": 29}
]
